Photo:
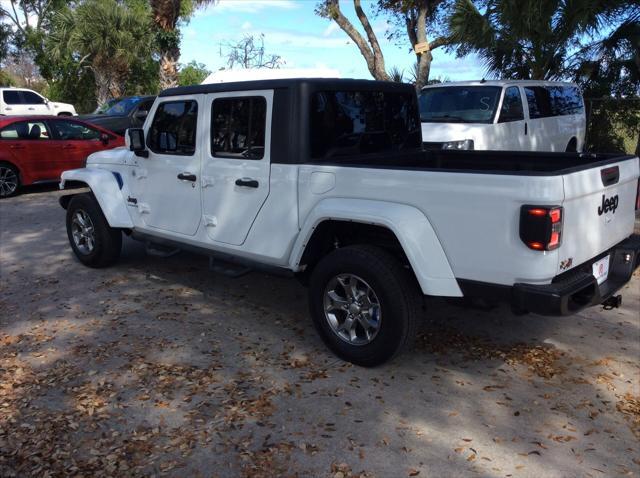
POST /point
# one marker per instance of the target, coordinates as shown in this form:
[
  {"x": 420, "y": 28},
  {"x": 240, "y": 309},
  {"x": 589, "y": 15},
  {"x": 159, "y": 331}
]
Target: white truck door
[
  {"x": 34, "y": 104},
  {"x": 167, "y": 184},
  {"x": 236, "y": 162}
]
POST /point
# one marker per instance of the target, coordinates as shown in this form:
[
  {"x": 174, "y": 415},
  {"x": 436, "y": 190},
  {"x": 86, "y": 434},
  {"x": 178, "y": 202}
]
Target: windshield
[
  {"x": 459, "y": 104},
  {"x": 123, "y": 107}
]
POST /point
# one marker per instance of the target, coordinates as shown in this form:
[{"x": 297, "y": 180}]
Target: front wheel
[
  {"x": 364, "y": 304},
  {"x": 93, "y": 241}
]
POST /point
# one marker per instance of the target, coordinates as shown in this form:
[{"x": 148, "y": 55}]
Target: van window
[
  {"x": 459, "y": 104},
  {"x": 238, "y": 127},
  {"x": 345, "y": 123},
  {"x": 565, "y": 100},
  {"x": 11, "y": 97},
  {"x": 539, "y": 102},
  {"x": 173, "y": 130},
  {"x": 511, "y": 106}
]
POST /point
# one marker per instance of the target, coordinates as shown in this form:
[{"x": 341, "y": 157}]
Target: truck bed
[{"x": 485, "y": 162}]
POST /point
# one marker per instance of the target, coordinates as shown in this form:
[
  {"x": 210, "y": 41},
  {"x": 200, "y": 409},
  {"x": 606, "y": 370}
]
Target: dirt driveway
[{"x": 159, "y": 367}]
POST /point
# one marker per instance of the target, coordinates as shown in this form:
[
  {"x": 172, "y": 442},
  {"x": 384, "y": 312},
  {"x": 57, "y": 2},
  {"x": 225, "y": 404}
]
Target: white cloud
[
  {"x": 331, "y": 29},
  {"x": 275, "y": 39},
  {"x": 246, "y": 26},
  {"x": 253, "y": 6}
]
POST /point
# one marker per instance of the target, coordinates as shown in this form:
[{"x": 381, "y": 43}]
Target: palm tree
[
  {"x": 530, "y": 38},
  {"x": 166, "y": 15},
  {"x": 100, "y": 35}
]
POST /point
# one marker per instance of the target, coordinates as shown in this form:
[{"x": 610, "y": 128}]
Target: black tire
[
  {"x": 9, "y": 180},
  {"x": 107, "y": 241},
  {"x": 397, "y": 294}
]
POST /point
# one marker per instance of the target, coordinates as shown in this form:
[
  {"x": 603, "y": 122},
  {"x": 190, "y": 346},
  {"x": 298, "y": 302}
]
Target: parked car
[
  {"x": 125, "y": 113},
  {"x": 503, "y": 115},
  {"x": 37, "y": 149},
  {"x": 105, "y": 106},
  {"x": 21, "y": 102},
  {"x": 327, "y": 180}
]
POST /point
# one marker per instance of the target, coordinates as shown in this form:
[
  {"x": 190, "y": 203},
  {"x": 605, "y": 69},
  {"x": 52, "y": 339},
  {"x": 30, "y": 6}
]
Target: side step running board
[
  {"x": 228, "y": 269},
  {"x": 159, "y": 250}
]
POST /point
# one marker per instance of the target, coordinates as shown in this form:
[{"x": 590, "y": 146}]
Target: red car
[{"x": 36, "y": 149}]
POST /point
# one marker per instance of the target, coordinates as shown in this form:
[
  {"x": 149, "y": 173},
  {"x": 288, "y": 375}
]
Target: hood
[
  {"x": 117, "y": 155},
  {"x": 441, "y": 132},
  {"x": 62, "y": 107}
]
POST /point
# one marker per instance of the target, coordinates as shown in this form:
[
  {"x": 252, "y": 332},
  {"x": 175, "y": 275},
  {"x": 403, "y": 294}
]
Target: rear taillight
[{"x": 541, "y": 227}]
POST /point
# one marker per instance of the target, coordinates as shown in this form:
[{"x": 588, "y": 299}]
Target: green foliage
[
  {"x": 530, "y": 38},
  {"x": 193, "y": 73}
]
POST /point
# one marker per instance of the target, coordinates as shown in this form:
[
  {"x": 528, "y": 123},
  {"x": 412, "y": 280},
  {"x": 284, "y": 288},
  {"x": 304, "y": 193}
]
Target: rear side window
[
  {"x": 539, "y": 102},
  {"x": 70, "y": 130},
  {"x": 30, "y": 98},
  {"x": 348, "y": 123},
  {"x": 238, "y": 127},
  {"x": 565, "y": 100},
  {"x": 11, "y": 97},
  {"x": 511, "y": 106},
  {"x": 26, "y": 130},
  {"x": 173, "y": 130}
]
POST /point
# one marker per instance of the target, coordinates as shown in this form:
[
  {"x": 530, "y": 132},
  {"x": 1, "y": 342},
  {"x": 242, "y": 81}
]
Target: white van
[
  {"x": 511, "y": 115},
  {"x": 21, "y": 102}
]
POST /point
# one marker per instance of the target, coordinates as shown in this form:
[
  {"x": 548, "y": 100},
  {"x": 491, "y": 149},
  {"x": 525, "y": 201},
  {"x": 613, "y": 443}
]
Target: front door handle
[
  {"x": 187, "y": 177},
  {"x": 525, "y": 128},
  {"x": 68, "y": 146},
  {"x": 247, "y": 183},
  {"x": 31, "y": 109}
]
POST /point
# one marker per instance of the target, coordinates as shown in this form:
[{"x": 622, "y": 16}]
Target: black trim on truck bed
[{"x": 569, "y": 292}]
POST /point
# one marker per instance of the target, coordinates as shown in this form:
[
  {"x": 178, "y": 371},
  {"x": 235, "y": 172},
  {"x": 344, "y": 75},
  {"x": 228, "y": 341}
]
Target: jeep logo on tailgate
[{"x": 610, "y": 204}]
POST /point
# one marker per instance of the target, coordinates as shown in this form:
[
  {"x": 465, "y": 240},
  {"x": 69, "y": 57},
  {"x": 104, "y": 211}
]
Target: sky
[{"x": 304, "y": 40}]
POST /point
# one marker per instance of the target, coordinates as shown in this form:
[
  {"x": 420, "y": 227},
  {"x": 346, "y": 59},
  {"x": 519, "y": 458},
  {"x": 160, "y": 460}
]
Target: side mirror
[
  {"x": 134, "y": 139},
  {"x": 105, "y": 138},
  {"x": 141, "y": 114}
]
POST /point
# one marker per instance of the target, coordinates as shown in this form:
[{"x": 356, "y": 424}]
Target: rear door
[
  {"x": 236, "y": 163},
  {"x": 599, "y": 209},
  {"x": 32, "y": 149},
  {"x": 13, "y": 104},
  {"x": 76, "y": 141}
]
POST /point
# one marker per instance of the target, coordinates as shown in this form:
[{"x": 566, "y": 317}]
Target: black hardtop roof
[{"x": 315, "y": 83}]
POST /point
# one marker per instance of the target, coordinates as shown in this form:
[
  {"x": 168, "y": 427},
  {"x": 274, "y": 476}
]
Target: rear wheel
[
  {"x": 9, "y": 180},
  {"x": 93, "y": 241},
  {"x": 364, "y": 304}
]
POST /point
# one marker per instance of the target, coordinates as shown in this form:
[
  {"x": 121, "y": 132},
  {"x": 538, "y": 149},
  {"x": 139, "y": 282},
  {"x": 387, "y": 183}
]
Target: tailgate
[{"x": 599, "y": 210}]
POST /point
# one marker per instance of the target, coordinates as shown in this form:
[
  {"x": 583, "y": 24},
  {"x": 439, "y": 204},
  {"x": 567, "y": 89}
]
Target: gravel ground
[{"x": 160, "y": 367}]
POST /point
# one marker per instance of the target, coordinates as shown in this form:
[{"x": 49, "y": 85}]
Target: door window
[
  {"x": 173, "y": 130},
  {"x": 511, "y": 106},
  {"x": 30, "y": 98},
  {"x": 26, "y": 130},
  {"x": 72, "y": 131},
  {"x": 11, "y": 97},
  {"x": 238, "y": 127},
  {"x": 539, "y": 102}
]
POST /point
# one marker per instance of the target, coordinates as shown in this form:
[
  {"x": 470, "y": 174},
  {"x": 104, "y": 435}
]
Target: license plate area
[{"x": 601, "y": 269}]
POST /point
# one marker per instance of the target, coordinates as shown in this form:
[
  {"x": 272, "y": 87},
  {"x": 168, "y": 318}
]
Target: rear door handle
[
  {"x": 525, "y": 128},
  {"x": 16, "y": 146},
  {"x": 31, "y": 109},
  {"x": 68, "y": 146},
  {"x": 187, "y": 177},
  {"x": 247, "y": 183}
]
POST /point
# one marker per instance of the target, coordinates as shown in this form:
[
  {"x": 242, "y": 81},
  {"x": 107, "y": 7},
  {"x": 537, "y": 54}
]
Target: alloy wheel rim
[
  {"x": 83, "y": 232},
  {"x": 8, "y": 181},
  {"x": 352, "y": 309}
]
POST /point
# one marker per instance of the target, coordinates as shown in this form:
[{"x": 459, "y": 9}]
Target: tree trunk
[
  {"x": 169, "y": 68},
  {"x": 102, "y": 86}
]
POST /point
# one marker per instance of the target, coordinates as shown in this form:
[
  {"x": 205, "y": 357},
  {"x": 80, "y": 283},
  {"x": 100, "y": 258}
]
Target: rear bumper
[{"x": 570, "y": 292}]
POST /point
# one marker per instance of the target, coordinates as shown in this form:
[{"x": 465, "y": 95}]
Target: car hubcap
[
  {"x": 8, "y": 181},
  {"x": 83, "y": 232},
  {"x": 352, "y": 309}
]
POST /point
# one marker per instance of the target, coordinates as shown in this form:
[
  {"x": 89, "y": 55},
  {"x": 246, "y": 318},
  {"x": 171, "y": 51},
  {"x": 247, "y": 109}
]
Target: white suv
[{"x": 20, "y": 101}]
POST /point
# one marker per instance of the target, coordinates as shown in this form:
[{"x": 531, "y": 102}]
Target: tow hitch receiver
[{"x": 612, "y": 302}]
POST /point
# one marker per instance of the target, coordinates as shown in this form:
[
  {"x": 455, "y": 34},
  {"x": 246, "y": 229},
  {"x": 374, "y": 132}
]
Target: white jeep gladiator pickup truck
[{"x": 327, "y": 180}]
